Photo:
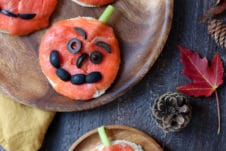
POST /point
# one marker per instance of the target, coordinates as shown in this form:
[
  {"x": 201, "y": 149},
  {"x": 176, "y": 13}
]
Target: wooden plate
[
  {"x": 91, "y": 139},
  {"x": 142, "y": 28}
]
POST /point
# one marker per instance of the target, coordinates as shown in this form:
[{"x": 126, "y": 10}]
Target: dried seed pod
[
  {"x": 171, "y": 112},
  {"x": 217, "y": 30}
]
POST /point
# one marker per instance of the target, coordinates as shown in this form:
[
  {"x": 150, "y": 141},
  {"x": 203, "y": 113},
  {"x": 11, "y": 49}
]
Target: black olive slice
[
  {"x": 63, "y": 74},
  {"x": 8, "y": 13},
  {"x": 96, "y": 57},
  {"x": 23, "y": 16},
  {"x": 81, "y": 32},
  {"x": 78, "y": 79},
  {"x": 54, "y": 58},
  {"x": 93, "y": 77},
  {"x": 80, "y": 60},
  {"x": 26, "y": 16},
  {"x": 74, "y": 45},
  {"x": 104, "y": 45}
]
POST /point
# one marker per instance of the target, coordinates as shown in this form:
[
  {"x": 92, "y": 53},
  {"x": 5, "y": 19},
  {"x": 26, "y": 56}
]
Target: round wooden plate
[
  {"x": 142, "y": 28},
  {"x": 116, "y": 132}
]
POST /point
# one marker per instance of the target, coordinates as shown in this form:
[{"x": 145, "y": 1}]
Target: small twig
[{"x": 218, "y": 113}]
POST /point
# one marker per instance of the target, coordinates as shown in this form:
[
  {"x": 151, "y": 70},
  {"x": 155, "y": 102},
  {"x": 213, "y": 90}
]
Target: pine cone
[
  {"x": 217, "y": 30},
  {"x": 171, "y": 112}
]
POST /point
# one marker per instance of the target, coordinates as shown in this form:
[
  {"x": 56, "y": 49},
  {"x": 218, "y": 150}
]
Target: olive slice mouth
[
  {"x": 54, "y": 58},
  {"x": 8, "y": 13},
  {"x": 22, "y": 16},
  {"x": 26, "y": 16},
  {"x": 78, "y": 79},
  {"x": 93, "y": 77},
  {"x": 63, "y": 74}
]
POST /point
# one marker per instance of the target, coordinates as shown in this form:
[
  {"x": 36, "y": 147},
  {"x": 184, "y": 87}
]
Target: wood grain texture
[
  {"x": 141, "y": 26},
  {"x": 116, "y": 132}
]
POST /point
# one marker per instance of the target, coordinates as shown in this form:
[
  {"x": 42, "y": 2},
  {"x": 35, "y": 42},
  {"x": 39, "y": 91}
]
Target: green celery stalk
[
  {"x": 106, "y": 14},
  {"x": 103, "y": 136}
]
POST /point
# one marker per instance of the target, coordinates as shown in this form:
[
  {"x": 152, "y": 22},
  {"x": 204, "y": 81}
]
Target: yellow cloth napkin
[{"x": 22, "y": 128}]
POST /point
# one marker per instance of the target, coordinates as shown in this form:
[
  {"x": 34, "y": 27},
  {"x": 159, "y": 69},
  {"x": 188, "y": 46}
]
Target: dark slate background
[{"x": 133, "y": 108}]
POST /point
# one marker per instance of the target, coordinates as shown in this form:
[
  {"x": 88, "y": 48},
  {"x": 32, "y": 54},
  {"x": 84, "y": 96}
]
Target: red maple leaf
[{"x": 206, "y": 78}]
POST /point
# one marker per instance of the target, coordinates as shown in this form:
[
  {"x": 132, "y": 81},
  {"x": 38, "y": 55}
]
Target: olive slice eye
[
  {"x": 104, "y": 45},
  {"x": 81, "y": 32},
  {"x": 74, "y": 45},
  {"x": 96, "y": 57}
]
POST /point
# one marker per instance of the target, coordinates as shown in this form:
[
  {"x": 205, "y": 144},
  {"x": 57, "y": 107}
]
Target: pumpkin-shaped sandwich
[
  {"x": 80, "y": 57},
  {"x": 21, "y": 17}
]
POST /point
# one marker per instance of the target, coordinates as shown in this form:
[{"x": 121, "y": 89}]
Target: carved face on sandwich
[
  {"x": 82, "y": 55},
  {"x": 20, "y": 17}
]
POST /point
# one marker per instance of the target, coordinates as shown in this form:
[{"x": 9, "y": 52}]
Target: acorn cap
[{"x": 171, "y": 112}]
